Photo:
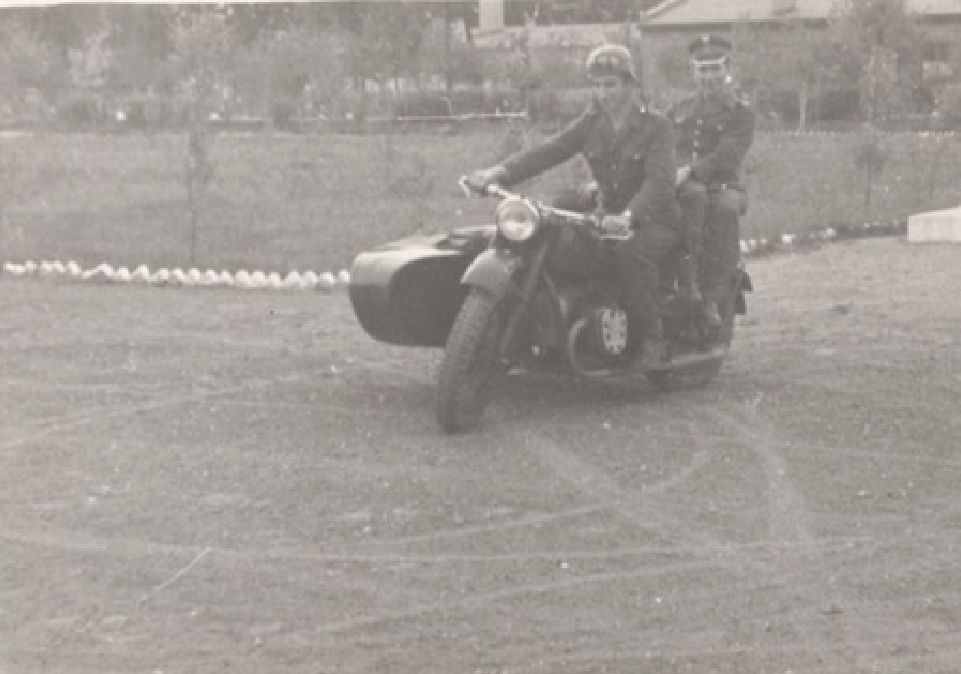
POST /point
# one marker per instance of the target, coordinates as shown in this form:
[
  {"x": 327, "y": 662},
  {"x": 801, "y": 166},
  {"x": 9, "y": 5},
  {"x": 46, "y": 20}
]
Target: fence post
[{"x": 198, "y": 174}]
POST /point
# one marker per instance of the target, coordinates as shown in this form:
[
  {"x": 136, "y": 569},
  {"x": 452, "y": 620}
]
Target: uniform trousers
[
  {"x": 719, "y": 210},
  {"x": 636, "y": 262}
]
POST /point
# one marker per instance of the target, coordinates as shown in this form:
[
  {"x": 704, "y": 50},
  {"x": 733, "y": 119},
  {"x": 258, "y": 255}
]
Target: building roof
[{"x": 681, "y": 13}]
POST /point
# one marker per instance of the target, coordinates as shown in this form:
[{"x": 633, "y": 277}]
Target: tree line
[{"x": 174, "y": 63}]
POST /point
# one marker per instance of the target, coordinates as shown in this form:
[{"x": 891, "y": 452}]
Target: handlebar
[{"x": 588, "y": 220}]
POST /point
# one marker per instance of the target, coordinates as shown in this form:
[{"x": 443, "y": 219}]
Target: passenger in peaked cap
[
  {"x": 714, "y": 131},
  {"x": 709, "y": 46},
  {"x": 711, "y": 62},
  {"x": 630, "y": 150}
]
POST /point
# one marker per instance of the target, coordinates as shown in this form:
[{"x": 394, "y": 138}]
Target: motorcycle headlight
[{"x": 516, "y": 219}]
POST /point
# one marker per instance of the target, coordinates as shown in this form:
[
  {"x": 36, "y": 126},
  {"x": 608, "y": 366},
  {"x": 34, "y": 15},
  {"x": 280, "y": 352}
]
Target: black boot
[
  {"x": 711, "y": 313},
  {"x": 653, "y": 355}
]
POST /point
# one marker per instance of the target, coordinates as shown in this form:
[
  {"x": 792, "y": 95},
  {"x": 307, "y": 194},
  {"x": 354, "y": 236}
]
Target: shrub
[
  {"x": 80, "y": 107},
  {"x": 837, "y": 105},
  {"x": 460, "y": 102},
  {"x": 422, "y": 104},
  {"x": 153, "y": 112},
  {"x": 950, "y": 103},
  {"x": 283, "y": 112}
]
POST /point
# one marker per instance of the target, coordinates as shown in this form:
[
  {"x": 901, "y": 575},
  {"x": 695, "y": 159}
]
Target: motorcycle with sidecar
[{"x": 532, "y": 292}]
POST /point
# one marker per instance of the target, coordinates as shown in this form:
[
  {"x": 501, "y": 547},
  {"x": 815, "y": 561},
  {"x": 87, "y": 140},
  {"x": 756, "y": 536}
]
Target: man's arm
[
  {"x": 657, "y": 191},
  {"x": 556, "y": 150},
  {"x": 731, "y": 150}
]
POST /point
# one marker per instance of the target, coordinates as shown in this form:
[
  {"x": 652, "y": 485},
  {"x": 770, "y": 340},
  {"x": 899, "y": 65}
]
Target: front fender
[{"x": 492, "y": 270}]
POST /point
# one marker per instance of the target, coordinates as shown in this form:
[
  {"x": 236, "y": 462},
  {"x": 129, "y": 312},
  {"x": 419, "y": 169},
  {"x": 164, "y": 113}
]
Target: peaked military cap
[{"x": 709, "y": 47}]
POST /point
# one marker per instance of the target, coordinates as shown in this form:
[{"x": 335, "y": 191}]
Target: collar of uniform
[
  {"x": 638, "y": 108},
  {"x": 637, "y": 114},
  {"x": 725, "y": 100},
  {"x": 684, "y": 106}
]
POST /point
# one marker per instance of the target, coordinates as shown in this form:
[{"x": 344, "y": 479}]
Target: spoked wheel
[
  {"x": 689, "y": 378},
  {"x": 469, "y": 369}
]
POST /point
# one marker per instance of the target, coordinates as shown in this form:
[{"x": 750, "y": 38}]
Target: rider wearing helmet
[
  {"x": 714, "y": 131},
  {"x": 630, "y": 151}
]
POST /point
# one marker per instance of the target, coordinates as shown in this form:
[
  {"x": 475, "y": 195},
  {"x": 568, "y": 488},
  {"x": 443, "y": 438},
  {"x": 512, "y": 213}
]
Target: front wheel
[{"x": 470, "y": 367}]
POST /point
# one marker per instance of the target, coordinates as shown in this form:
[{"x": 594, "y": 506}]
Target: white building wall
[{"x": 491, "y": 15}]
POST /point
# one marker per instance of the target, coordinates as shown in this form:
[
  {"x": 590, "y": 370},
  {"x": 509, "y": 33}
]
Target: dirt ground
[{"x": 215, "y": 480}]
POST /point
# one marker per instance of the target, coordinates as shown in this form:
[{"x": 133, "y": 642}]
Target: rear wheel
[
  {"x": 469, "y": 369},
  {"x": 698, "y": 376}
]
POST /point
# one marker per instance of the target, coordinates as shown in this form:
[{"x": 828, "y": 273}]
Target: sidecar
[{"x": 409, "y": 292}]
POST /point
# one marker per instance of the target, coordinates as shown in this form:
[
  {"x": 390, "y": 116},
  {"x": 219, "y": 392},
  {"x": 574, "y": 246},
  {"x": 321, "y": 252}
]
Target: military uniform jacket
[
  {"x": 634, "y": 168},
  {"x": 713, "y": 139}
]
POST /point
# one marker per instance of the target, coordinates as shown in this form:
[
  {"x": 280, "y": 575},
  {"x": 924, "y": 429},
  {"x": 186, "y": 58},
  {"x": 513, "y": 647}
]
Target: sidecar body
[{"x": 409, "y": 292}]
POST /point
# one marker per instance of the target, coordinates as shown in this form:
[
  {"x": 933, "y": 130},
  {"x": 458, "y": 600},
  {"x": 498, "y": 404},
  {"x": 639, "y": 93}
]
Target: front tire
[{"x": 470, "y": 368}]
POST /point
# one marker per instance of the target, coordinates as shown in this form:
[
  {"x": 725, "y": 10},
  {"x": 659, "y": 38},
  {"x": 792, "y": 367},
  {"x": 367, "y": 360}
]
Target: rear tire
[
  {"x": 698, "y": 376},
  {"x": 469, "y": 369}
]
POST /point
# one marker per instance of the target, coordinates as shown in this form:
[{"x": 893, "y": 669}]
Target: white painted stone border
[
  {"x": 854, "y": 134},
  {"x": 177, "y": 277},
  {"x": 329, "y": 282}
]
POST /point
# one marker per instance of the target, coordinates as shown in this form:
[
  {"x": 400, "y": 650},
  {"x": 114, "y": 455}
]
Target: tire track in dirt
[
  {"x": 788, "y": 520},
  {"x": 614, "y": 659},
  {"x": 399, "y": 368},
  {"x": 506, "y": 594},
  {"x": 135, "y": 548},
  {"x": 119, "y": 412},
  {"x": 71, "y": 421},
  {"x": 495, "y": 527},
  {"x": 790, "y": 539},
  {"x": 314, "y": 407},
  {"x": 637, "y": 508},
  {"x": 33, "y": 385},
  {"x": 380, "y": 617},
  {"x": 916, "y": 456},
  {"x": 700, "y": 460},
  {"x": 791, "y": 554}
]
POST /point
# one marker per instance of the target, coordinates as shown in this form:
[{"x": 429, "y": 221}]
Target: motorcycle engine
[
  {"x": 547, "y": 327},
  {"x": 607, "y": 331}
]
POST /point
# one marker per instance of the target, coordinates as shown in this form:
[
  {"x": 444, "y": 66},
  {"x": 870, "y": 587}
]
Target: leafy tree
[
  {"x": 884, "y": 39},
  {"x": 389, "y": 42},
  {"x": 202, "y": 50},
  {"x": 26, "y": 62},
  {"x": 453, "y": 59},
  {"x": 667, "y": 71},
  {"x": 464, "y": 13},
  {"x": 789, "y": 56},
  {"x": 300, "y": 69},
  {"x": 62, "y": 27},
  {"x": 254, "y": 20},
  {"x": 139, "y": 39}
]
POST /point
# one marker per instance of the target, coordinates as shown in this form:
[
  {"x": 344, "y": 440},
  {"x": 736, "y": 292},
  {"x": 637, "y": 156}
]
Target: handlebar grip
[
  {"x": 465, "y": 186},
  {"x": 498, "y": 191},
  {"x": 490, "y": 190}
]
